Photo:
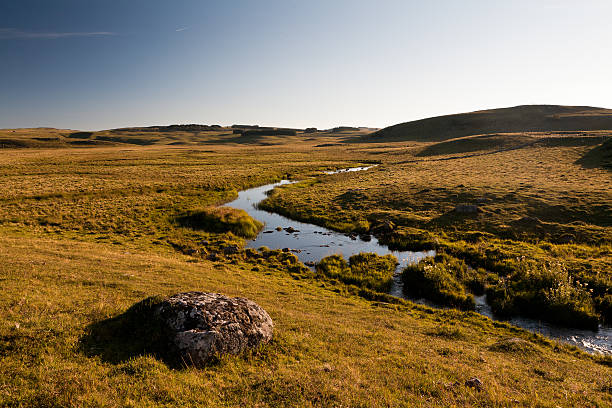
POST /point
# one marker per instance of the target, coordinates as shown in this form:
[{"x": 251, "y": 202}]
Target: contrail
[{"x": 10, "y": 33}]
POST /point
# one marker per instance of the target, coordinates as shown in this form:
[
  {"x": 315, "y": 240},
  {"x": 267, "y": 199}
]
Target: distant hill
[
  {"x": 172, "y": 135},
  {"x": 526, "y": 118},
  {"x": 600, "y": 156}
]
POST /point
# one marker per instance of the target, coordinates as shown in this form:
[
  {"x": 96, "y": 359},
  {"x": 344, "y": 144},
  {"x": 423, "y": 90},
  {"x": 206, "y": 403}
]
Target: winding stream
[{"x": 311, "y": 243}]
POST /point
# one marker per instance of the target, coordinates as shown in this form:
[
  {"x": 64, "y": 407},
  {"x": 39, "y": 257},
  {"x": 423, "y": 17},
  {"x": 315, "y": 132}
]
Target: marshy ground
[{"x": 87, "y": 232}]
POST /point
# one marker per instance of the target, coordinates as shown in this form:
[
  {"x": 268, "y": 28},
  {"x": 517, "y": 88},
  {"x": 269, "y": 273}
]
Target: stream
[{"x": 310, "y": 243}]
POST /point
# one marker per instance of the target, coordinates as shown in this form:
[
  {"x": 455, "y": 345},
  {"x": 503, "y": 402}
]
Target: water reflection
[
  {"x": 309, "y": 242},
  {"x": 312, "y": 243}
]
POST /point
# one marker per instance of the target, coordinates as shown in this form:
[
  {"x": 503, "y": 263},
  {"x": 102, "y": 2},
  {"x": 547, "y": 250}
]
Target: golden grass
[
  {"x": 535, "y": 202},
  {"x": 42, "y": 138},
  {"x": 328, "y": 350},
  {"x": 85, "y": 233}
]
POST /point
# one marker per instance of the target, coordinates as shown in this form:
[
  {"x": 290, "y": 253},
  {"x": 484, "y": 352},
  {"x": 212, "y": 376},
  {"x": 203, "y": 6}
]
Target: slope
[{"x": 527, "y": 118}]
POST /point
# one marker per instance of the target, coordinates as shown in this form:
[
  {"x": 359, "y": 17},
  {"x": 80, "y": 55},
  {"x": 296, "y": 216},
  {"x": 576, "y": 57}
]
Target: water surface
[{"x": 311, "y": 243}]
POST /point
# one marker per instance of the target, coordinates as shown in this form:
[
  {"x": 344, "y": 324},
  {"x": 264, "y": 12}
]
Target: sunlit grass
[
  {"x": 536, "y": 202},
  {"x": 87, "y": 233}
]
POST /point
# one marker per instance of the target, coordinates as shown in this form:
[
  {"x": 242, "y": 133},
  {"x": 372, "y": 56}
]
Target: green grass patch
[
  {"x": 437, "y": 280},
  {"x": 98, "y": 227},
  {"x": 222, "y": 219},
  {"x": 547, "y": 291},
  {"x": 366, "y": 270}
]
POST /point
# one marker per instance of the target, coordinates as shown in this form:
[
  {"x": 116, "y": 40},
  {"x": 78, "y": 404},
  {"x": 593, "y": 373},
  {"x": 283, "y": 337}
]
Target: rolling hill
[
  {"x": 526, "y": 118},
  {"x": 173, "y": 135}
]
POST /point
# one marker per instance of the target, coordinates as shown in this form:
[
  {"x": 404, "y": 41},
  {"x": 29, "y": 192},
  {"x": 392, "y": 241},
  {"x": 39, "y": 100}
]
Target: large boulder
[{"x": 203, "y": 325}]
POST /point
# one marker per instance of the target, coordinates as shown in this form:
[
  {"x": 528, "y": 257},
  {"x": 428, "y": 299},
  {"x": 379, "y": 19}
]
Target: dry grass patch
[{"x": 328, "y": 349}]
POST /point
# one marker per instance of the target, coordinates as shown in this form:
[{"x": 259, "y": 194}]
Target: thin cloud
[
  {"x": 181, "y": 29},
  {"x": 10, "y": 33}
]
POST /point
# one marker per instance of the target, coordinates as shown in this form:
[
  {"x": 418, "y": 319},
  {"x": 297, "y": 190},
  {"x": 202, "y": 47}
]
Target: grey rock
[
  {"x": 467, "y": 209},
  {"x": 474, "y": 382},
  {"x": 203, "y": 325},
  {"x": 365, "y": 237}
]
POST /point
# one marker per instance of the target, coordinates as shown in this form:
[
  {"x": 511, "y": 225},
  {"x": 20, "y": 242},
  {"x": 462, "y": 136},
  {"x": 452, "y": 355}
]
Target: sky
[{"x": 91, "y": 65}]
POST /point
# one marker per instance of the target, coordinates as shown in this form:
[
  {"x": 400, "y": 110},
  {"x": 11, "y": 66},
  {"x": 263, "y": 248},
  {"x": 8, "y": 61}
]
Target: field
[
  {"x": 530, "y": 207},
  {"x": 86, "y": 232}
]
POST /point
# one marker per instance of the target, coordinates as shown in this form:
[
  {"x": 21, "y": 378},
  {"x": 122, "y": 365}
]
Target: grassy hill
[
  {"x": 173, "y": 135},
  {"x": 499, "y": 142},
  {"x": 45, "y": 138},
  {"x": 527, "y": 118}
]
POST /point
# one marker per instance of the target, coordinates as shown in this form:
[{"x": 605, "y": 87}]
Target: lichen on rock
[{"x": 204, "y": 325}]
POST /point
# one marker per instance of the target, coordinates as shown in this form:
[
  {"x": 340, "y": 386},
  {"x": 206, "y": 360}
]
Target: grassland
[
  {"x": 535, "y": 204},
  {"x": 87, "y": 232},
  {"x": 517, "y": 119},
  {"x": 171, "y": 136}
]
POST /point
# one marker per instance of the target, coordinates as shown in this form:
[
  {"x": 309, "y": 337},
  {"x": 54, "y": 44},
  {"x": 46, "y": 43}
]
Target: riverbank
[
  {"x": 532, "y": 222},
  {"x": 86, "y": 233},
  {"x": 311, "y": 243}
]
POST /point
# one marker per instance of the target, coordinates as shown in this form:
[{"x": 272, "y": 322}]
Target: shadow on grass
[
  {"x": 599, "y": 156},
  {"x": 136, "y": 332}
]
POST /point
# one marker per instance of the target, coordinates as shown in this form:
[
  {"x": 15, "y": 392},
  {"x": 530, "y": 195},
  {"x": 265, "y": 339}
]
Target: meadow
[
  {"x": 537, "y": 219},
  {"x": 85, "y": 233}
]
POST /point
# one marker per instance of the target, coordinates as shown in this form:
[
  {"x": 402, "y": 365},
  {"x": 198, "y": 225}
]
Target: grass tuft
[
  {"x": 222, "y": 219},
  {"x": 365, "y": 270},
  {"x": 437, "y": 281},
  {"x": 513, "y": 345}
]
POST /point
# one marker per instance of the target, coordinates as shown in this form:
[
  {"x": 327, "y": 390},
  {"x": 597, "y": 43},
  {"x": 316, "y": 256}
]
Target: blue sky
[{"x": 88, "y": 64}]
